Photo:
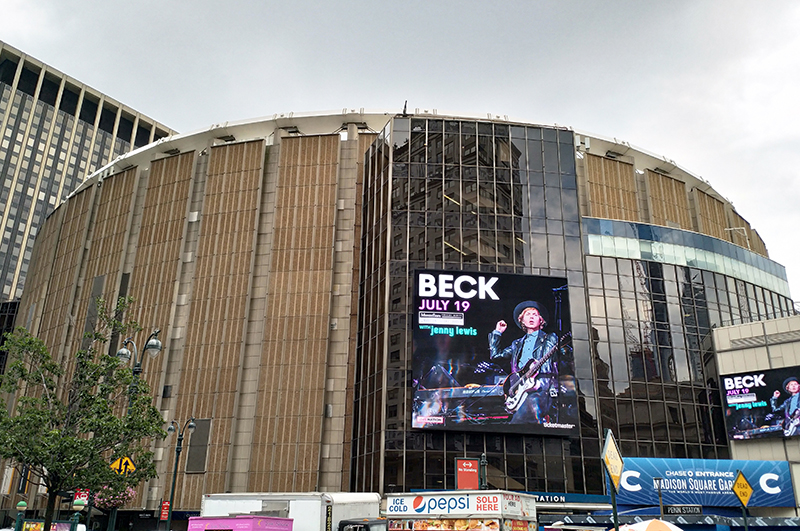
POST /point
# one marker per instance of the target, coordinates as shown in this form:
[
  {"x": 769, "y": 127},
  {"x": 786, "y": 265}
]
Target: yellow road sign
[
  {"x": 612, "y": 459},
  {"x": 123, "y": 466},
  {"x": 741, "y": 487}
]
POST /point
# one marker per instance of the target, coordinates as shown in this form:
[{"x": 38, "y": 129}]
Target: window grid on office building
[
  {"x": 48, "y": 145},
  {"x": 460, "y": 191}
]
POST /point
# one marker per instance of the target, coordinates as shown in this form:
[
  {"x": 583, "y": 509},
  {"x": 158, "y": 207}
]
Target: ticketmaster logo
[{"x": 558, "y": 425}]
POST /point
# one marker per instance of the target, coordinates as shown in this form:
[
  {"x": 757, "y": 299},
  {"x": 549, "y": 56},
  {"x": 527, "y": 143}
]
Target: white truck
[{"x": 310, "y": 511}]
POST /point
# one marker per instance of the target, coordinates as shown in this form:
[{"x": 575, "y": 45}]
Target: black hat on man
[
  {"x": 789, "y": 379},
  {"x": 521, "y": 307}
]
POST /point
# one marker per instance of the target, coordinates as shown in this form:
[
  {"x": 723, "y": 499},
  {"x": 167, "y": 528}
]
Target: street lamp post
[
  {"x": 660, "y": 499},
  {"x": 21, "y": 506},
  {"x": 153, "y": 344},
  {"x": 173, "y": 427},
  {"x": 483, "y": 466},
  {"x": 77, "y": 506}
]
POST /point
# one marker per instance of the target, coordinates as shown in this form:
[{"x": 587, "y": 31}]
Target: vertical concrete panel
[
  {"x": 107, "y": 234},
  {"x": 670, "y": 205},
  {"x": 291, "y": 363},
  {"x": 66, "y": 264},
  {"x": 158, "y": 251},
  {"x": 612, "y": 188},
  {"x": 35, "y": 296},
  {"x": 214, "y": 335}
]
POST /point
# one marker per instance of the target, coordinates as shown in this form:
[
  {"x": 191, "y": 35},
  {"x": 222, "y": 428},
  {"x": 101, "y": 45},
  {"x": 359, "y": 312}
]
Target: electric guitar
[
  {"x": 792, "y": 423},
  {"x": 518, "y": 384}
]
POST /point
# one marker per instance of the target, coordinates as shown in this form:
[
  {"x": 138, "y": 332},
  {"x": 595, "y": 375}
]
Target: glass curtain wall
[
  {"x": 472, "y": 196},
  {"x": 657, "y": 379},
  {"x": 483, "y": 196}
]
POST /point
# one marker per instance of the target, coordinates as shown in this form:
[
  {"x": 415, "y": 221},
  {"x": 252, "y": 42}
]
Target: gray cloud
[{"x": 711, "y": 85}]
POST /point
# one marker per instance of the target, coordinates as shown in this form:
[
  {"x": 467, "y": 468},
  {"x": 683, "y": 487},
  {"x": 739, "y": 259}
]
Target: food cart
[{"x": 484, "y": 510}]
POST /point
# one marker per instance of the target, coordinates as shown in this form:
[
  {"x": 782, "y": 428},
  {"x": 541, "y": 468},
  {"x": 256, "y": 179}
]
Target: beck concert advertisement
[
  {"x": 762, "y": 403},
  {"x": 493, "y": 352}
]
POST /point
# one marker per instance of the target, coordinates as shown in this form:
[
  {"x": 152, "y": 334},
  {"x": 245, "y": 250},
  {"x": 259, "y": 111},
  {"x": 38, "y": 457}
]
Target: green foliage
[{"x": 68, "y": 427}]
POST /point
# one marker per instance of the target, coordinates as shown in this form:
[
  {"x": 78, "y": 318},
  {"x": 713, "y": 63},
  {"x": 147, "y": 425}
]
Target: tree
[{"x": 66, "y": 428}]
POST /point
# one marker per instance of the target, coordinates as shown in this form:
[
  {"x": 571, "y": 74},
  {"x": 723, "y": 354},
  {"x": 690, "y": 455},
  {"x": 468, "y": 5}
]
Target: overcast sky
[{"x": 711, "y": 85}]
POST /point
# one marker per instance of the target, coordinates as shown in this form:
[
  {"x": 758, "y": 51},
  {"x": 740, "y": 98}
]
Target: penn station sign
[{"x": 705, "y": 482}]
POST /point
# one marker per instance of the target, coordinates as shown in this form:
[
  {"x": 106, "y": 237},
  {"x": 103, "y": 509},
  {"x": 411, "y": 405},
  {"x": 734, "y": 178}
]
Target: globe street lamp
[
  {"x": 153, "y": 345},
  {"x": 77, "y": 506},
  {"x": 173, "y": 427},
  {"x": 21, "y": 506}
]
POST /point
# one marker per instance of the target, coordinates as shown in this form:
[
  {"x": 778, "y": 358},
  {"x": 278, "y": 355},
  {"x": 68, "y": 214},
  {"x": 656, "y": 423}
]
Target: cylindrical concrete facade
[{"x": 278, "y": 256}]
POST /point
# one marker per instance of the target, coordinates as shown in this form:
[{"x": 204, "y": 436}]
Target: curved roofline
[
  {"x": 332, "y": 118},
  {"x": 648, "y": 153}
]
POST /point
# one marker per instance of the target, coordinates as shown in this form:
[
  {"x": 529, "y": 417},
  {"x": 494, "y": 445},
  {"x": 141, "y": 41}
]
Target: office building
[{"x": 54, "y": 132}]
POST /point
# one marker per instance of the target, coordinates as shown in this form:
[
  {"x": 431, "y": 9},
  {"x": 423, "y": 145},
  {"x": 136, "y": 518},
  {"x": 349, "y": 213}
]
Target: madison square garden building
[{"x": 338, "y": 297}]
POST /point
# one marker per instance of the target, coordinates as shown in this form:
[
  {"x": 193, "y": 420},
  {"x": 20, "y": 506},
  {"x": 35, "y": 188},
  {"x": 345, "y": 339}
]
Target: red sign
[
  {"x": 467, "y": 474},
  {"x": 82, "y": 494},
  {"x": 164, "y": 510}
]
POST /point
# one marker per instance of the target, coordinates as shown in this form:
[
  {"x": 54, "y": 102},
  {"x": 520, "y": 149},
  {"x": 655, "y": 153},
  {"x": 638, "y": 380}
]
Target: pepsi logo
[{"x": 446, "y": 504}]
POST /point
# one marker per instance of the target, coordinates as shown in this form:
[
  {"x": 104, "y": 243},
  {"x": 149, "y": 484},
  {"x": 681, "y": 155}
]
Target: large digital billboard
[
  {"x": 762, "y": 404},
  {"x": 492, "y": 352},
  {"x": 704, "y": 482}
]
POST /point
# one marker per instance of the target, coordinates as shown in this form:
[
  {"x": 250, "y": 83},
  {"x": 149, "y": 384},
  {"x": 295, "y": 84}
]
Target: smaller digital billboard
[
  {"x": 761, "y": 404},
  {"x": 492, "y": 352},
  {"x": 703, "y": 482}
]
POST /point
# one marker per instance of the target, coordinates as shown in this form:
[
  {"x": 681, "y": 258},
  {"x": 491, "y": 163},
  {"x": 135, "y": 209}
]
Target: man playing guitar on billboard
[
  {"x": 790, "y": 406},
  {"x": 529, "y": 388}
]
